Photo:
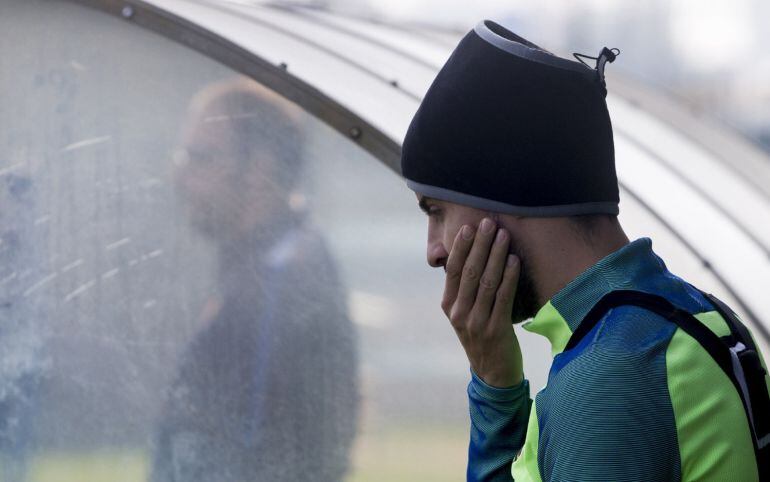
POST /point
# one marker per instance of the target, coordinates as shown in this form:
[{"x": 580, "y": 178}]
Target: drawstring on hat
[
  {"x": 606, "y": 55},
  {"x": 515, "y": 144}
]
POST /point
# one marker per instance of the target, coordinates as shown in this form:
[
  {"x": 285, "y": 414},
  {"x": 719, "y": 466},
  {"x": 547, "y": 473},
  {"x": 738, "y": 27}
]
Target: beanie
[{"x": 509, "y": 127}]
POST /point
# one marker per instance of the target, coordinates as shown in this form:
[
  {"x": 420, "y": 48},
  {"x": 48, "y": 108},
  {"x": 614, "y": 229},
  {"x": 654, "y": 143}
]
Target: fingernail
[
  {"x": 487, "y": 226},
  {"x": 501, "y": 236},
  {"x": 467, "y": 232},
  {"x": 511, "y": 260}
]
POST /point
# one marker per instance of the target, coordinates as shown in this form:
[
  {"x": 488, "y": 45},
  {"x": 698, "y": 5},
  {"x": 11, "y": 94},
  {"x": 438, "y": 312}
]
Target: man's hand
[{"x": 481, "y": 281}]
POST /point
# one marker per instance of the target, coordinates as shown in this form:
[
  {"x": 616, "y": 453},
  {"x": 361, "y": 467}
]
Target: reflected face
[
  {"x": 227, "y": 195},
  {"x": 445, "y": 220}
]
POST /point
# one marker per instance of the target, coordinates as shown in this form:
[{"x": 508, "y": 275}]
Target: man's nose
[{"x": 437, "y": 254}]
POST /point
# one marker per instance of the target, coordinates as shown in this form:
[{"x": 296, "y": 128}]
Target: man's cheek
[{"x": 450, "y": 237}]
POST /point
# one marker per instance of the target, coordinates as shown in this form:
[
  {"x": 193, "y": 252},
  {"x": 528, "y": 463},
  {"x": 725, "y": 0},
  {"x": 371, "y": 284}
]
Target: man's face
[
  {"x": 226, "y": 195},
  {"x": 445, "y": 220}
]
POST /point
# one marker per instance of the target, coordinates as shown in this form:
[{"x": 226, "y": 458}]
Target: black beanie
[{"x": 509, "y": 127}]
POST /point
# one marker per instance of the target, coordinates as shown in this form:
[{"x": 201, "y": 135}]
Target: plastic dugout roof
[{"x": 695, "y": 186}]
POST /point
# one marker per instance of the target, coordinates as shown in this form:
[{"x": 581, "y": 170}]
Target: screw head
[
  {"x": 127, "y": 12},
  {"x": 355, "y": 132}
]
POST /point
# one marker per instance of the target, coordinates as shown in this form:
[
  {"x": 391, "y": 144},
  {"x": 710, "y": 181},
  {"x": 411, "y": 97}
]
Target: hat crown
[{"x": 510, "y": 127}]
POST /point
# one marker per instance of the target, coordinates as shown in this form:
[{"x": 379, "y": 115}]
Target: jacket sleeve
[{"x": 499, "y": 419}]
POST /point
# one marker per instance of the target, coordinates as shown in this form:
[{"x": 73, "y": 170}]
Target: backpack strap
[
  {"x": 735, "y": 354},
  {"x": 753, "y": 371}
]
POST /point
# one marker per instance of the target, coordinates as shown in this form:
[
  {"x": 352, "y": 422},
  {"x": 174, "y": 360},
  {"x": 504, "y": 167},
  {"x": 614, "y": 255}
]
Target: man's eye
[{"x": 434, "y": 213}]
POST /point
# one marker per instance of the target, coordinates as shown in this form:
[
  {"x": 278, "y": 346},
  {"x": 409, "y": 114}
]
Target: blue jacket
[{"x": 636, "y": 399}]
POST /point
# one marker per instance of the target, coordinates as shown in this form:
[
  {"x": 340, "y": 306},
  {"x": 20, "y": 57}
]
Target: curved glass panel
[
  {"x": 202, "y": 282},
  {"x": 199, "y": 281},
  {"x": 373, "y": 98},
  {"x": 744, "y": 266},
  {"x": 378, "y": 58},
  {"x": 429, "y": 51},
  {"x": 638, "y": 221},
  {"x": 738, "y": 199}
]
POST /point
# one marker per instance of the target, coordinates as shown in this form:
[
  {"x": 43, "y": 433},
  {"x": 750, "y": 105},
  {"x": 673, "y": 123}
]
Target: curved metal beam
[
  {"x": 309, "y": 41},
  {"x": 320, "y": 105},
  {"x": 764, "y": 331},
  {"x": 665, "y": 111},
  {"x": 302, "y": 12},
  {"x": 275, "y": 77},
  {"x": 708, "y": 198},
  {"x": 410, "y": 28}
]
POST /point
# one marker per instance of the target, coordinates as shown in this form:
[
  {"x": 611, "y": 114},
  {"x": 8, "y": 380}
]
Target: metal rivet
[
  {"x": 283, "y": 66},
  {"x": 355, "y": 132},
  {"x": 127, "y": 12},
  {"x": 394, "y": 83}
]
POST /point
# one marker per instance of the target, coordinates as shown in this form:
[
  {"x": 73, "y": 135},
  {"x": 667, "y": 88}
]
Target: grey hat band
[
  {"x": 443, "y": 194},
  {"x": 523, "y": 48}
]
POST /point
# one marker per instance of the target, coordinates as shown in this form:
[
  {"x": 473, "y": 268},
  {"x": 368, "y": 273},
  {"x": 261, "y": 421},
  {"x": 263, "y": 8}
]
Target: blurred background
[{"x": 713, "y": 55}]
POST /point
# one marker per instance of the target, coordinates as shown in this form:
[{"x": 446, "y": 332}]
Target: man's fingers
[
  {"x": 454, "y": 266},
  {"x": 506, "y": 293},
  {"x": 474, "y": 265},
  {"x": 491, "y": 277}
]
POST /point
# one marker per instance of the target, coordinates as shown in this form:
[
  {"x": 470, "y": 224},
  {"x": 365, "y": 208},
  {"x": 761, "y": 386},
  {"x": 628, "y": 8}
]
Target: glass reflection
[
  {"x": 267, "y": 388},
  {"x": 23, "y": 362}
]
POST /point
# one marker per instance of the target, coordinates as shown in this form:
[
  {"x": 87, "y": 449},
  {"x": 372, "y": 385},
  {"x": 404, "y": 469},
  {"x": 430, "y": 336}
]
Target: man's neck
[
  {"x": 255, "y": 233},
  {"x": 554, "y": 268}
]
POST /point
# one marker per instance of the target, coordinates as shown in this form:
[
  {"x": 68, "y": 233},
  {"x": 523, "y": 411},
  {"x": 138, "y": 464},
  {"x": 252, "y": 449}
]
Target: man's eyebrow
[{"x": 423, "y": 203}]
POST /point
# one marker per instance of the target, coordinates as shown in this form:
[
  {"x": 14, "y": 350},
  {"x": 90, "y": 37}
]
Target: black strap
[
  {"x": 736, "y": 326},
  {"x": 755, "y": 378},
  {"x": 756, "y": 405}
]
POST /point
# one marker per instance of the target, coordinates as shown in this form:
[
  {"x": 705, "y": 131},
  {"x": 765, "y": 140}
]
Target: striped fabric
[{"x": 619, "y": 405}]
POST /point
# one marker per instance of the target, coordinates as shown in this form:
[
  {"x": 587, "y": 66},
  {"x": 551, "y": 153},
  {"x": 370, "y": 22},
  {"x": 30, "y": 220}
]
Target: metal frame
[
  {"x": 365, "y": 38},
  {"x": 392, "y": 82},
  {"x": 275, "y": 77},
  {"x": 762, "y": 330},
  {"x": 708, "y": 198},
  {"x": 733, "y": 150},
  {"x": 382, "y": 147}
]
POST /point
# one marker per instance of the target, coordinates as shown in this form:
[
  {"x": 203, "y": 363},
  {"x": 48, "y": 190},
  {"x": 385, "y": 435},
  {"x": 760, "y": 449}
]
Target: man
[
  {"x": 511, "y": 157},
  {"x": 267, "y": 390}
]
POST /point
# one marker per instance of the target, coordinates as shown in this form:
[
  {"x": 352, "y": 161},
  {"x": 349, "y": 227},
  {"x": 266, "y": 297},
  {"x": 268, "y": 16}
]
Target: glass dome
[{"x": 211, "y": 261}]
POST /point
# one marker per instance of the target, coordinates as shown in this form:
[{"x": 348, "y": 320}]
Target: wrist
[
  {"x": 503, "y": 395},
  {"x": 498, "y": 380}
]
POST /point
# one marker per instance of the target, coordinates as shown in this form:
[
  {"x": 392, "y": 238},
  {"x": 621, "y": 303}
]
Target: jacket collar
[{"x": 626, "y": 268}]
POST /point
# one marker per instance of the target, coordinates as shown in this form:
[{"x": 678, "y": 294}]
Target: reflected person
[{"x": 267, "y": 390}]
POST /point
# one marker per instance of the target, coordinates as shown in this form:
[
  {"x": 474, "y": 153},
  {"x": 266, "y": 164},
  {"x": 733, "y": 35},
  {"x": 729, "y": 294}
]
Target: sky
[
  {"x": 716, "y": 50},
  {"x": 708, "y": 34}
]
